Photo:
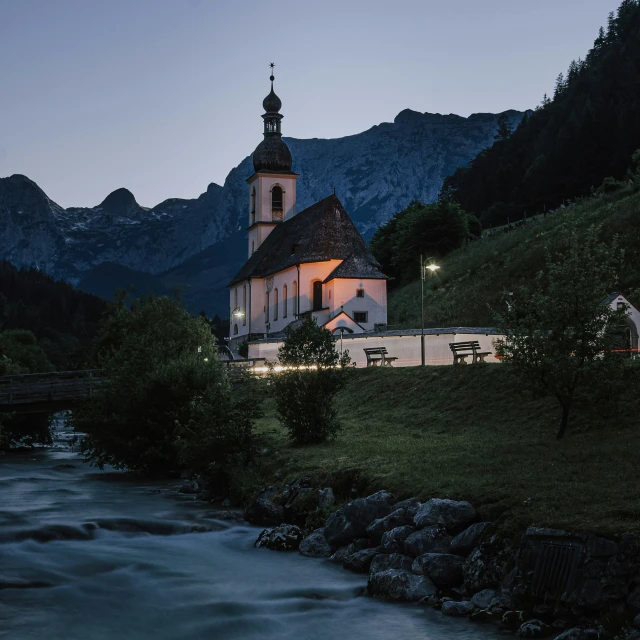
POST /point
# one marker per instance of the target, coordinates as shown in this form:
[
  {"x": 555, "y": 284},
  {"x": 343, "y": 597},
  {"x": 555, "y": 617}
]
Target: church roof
[{"x": 323, "y": 231}]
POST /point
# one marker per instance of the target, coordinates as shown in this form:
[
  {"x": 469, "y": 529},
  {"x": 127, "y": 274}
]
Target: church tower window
[
  {"x": 253, "y": 205},
  {"x": 277, "y": 203}
]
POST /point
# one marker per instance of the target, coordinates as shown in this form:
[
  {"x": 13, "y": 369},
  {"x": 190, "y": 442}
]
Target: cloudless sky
[{"x": 165, "y": 96}]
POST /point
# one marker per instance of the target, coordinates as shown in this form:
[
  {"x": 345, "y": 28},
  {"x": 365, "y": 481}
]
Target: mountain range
[{"x": 196, "y": 245}]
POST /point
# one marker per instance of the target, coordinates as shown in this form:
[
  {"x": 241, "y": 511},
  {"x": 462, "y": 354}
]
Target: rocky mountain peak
[{"x": 120, "y": 202}]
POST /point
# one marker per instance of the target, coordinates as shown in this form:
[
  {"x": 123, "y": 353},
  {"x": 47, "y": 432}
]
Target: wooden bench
[
  {"x": 463, "y": 349},
  {"x": 377, "y": 356}
]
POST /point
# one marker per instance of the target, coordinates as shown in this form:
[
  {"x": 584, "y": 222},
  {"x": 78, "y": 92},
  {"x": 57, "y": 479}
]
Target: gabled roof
[
  {"x": 344, "y": 320},
  {"x": 357, "y": 266},
  {"x": 323, "y": 231}
]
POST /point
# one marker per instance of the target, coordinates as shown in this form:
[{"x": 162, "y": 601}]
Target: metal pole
[{"x": 421, "y": 311}]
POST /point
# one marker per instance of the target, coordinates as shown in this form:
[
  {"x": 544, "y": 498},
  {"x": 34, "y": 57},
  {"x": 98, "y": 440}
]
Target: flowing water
[{"x": 88, "y": 554}]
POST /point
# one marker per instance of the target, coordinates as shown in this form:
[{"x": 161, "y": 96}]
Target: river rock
[
  {"x": 360, "y": 561},
  {"x": 399, "y": 585},
  {"x": 189, "y": 487},
  {"x": 326, "y": 497},
  {"x": 444, "y": 569},
  {"x": 485, "y": 598},
  {"x": 458, "y": 609},
  {"x": 534, "y": 629},
  {"x": 466, "y": 541},
  {"x": 600, "y": 547},
  {"x": 488, "y": 564},
  {"x": 410, "y": 506},
  {"x": 393, "y": 541},
  {"x": 351, "y": 522},
  {"x": 379, "y": 527},
  {"x": 579, "y": 634},
  {"x": 384, "y": 561},
  {"x": 636, "y": 621},
  {"x": 633, "y": 600},
  {"x": 453, "y": 515},
  {"x": 428, "y": 540},
  {"x": 342, "y": 552},
  {"x": 315, "y": 545},
  {"x": 263, "y": 511},
  {"x": 299, "y": 505},
  {"x": 286, "y": 537}
]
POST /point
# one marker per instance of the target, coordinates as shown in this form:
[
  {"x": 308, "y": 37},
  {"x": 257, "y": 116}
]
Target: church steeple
[{"x": 272, "y": 154}]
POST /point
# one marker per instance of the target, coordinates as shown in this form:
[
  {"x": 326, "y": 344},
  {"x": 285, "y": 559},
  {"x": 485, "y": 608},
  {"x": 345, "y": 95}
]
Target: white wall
[
  {"x": 374, "y": 302},
  {"x": 404, "y": 347}
]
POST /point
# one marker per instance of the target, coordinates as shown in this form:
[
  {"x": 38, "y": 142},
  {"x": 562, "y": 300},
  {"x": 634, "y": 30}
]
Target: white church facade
[{"x": 313, "y": 262}]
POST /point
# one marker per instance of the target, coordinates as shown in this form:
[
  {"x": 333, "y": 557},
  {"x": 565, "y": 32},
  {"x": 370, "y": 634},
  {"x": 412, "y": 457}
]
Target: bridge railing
[{"x": 33, "y": 388}]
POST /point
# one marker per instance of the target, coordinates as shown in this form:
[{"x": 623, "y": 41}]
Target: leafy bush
[
  {"x": 167, "y": 402},
  {"x": 305, "y": 390}
]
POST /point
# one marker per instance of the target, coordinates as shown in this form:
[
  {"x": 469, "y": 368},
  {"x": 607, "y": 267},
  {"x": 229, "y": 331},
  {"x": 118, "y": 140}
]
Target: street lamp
[{"x": 423, "y": 270}]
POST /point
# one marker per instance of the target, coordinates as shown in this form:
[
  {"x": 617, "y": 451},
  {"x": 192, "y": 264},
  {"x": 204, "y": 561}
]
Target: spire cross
[{"x": 272, "y": 78}]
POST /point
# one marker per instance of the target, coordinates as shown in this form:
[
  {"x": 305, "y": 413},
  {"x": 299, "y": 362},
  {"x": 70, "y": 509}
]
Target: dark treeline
[
  {"x": 585, "y": 133},
  {"x": 63, "y": 320}
]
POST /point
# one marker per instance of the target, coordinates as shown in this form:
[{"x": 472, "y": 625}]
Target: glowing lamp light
[{"x": 432, "y": 267}]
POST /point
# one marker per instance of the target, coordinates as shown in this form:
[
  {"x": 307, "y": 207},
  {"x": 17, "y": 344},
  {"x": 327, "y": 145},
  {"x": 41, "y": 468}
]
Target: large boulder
[
  {"x": 453, "y": 515},
  {"x": 444, "y": 569},
  {"x": 286, "y": 537},
  {"x": 360, "y": 561},
  {"x": 379, "y": 527},
  {"x": 315, "y": 545},
  {"x": 432, "y": 539},
  {"x": 393, "y": 541},
  {"x": 263, "y": 510},
  {"x": 534, "y": 629},
  {"x": 351, "y": 522},
  {"x": 488, "y": 564},
  {"x": 399, "y": 585},
  {"x": 326, "y": 497},
  {"x": 458, "y": 609},
  {"x": 384, "y": 561},
  {"x": 466, "y": 541}
]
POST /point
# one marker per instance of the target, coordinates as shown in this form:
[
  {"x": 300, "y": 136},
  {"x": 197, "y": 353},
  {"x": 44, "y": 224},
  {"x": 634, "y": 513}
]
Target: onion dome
[
  {"x": 272, "y": 154},
  {"x": 272, "y": 104}
]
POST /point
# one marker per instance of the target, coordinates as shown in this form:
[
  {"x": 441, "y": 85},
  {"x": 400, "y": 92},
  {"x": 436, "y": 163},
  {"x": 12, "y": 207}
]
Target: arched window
[
  {"x": 266, "y": 307},
  {"x": 244, "y": 305},
  {"x": 317, "y": 295},
  {"x": 253, "y": 247},
  {"x": 235, "y": 298},
  {"x": 295, "y": 298},
  {"x": 284, "y": 301},
  {"x": 253, "y": 205},
  {"x": 275, "y": 304},
  {"x": 235, "y": 329},
  {"x": 277, "y": 200}
]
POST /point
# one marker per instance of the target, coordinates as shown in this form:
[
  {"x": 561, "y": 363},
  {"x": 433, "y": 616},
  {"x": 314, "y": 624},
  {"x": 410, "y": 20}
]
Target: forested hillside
[
  {"x": 63, "y": 320},
  {"x": 574, "y": 140},
  {"x": 476, "y": 279}
]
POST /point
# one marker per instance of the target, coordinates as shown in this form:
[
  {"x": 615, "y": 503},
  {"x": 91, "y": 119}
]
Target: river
[{"x": 88, "y": 554}]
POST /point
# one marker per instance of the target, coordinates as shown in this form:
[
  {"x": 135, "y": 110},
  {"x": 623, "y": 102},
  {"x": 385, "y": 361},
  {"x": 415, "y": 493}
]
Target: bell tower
[{"x": 272, "y": 187}]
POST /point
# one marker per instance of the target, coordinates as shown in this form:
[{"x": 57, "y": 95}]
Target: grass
[
  {"x": 468, "y": 433},
  {"x": 473, "y": 280}
]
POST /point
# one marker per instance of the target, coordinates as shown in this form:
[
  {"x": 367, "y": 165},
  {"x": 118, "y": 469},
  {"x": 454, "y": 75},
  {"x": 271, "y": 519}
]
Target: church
[{"x": 312, "y": 263}]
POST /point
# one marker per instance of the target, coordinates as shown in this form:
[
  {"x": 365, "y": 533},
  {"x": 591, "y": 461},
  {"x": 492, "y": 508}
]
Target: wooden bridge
[{"x": 40, "y": 390}]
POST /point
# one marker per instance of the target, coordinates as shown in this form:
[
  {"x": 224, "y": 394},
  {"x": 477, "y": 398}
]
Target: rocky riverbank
[{"x": 439, "y": 553}]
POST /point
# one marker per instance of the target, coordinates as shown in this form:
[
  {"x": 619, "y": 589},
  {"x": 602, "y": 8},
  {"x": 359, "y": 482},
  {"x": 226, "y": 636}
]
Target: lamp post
[{"x": 423, "y": 269}]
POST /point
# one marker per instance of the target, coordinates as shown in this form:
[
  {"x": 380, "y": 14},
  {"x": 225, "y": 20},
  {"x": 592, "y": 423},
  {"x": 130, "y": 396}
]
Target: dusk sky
[{"x": 165, "y": 96}]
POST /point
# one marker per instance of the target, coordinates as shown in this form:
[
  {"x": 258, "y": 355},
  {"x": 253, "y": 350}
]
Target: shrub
[{"x": 304, "y": 392}]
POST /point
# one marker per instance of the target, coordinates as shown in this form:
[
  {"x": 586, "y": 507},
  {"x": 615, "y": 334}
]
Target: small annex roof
[
  {"x": 324, "y": 231},
  {"x": 343, "y": 321}
]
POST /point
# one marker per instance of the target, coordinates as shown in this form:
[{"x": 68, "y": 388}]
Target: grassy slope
[
  {"x": 467, "y": 433},
  {"x": 474, "y": 278}
]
